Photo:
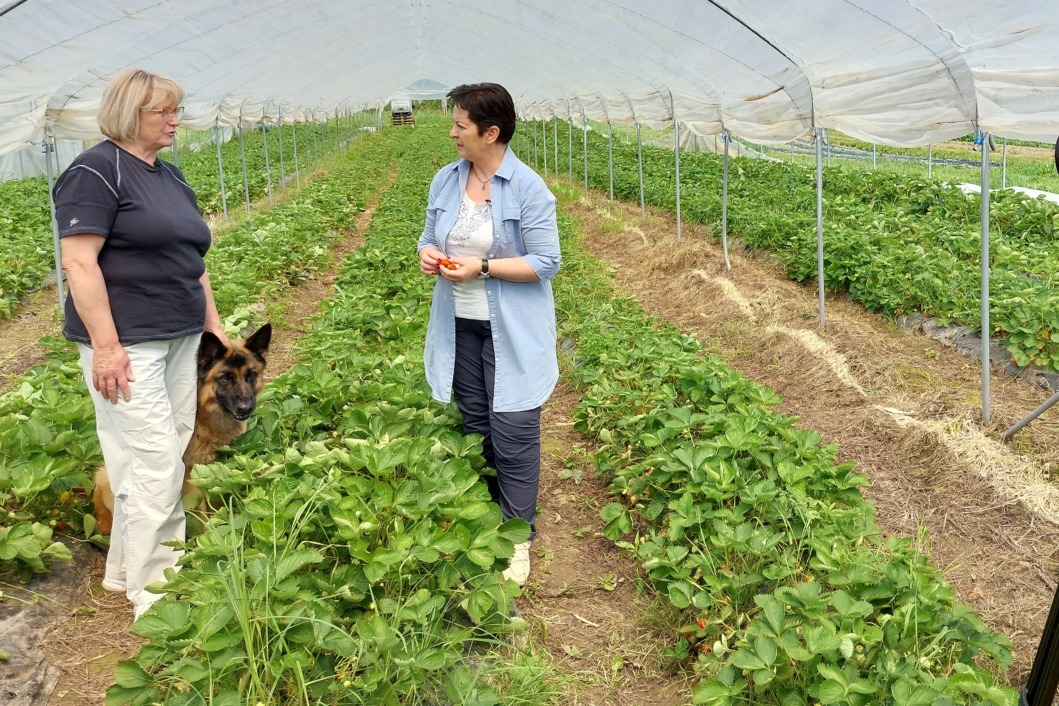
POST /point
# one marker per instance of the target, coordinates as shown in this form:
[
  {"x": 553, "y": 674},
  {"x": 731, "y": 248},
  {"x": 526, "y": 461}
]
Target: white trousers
[{"x": 143, "y": 442}]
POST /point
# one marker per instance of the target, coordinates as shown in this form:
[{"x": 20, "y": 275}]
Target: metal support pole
[
  {"x": 1044, "y": 675},
  {"x": 544, "y": 143},
  {"x": 639, "y": 163},
  {"x": 316, "y": 140},
  {"x": 986, "y": 329},
  {"x": 827, "y": 144},
  {"x": 930, "y": 161},
  {"x": 1031, "y": 416},
  {"x": 1004, "y": 164},
  {"x": 820, "y": 224},
  {"x": 282, "y": 169},
  {"x": 570, "y": 146},
  {"x": 536, "y": 156},
  {"x": 873, "y": 156},
  {"x": 726, "y": 138},
  {"x": 48, "y": 147},
  {"x": 584, "y": 132},
  {"x": 242, "y": 157},
  {"x": 676, "y": 159},
  {"x": 555, "y": 144},
  {"x": 268, "y": 165},
  {"x": 297, "y": 170},
  {"x": 220, "y": 167},
  {"x": 610, "y": 147}
]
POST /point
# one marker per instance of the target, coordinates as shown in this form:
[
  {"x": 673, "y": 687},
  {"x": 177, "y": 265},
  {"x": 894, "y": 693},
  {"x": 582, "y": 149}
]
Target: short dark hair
[{"x": 487, "y": 104}]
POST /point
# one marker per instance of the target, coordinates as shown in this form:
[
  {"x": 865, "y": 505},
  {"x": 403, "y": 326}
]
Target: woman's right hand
[
  {"x": 428, "y": 260},
  {"x": 111, "y": 372}
]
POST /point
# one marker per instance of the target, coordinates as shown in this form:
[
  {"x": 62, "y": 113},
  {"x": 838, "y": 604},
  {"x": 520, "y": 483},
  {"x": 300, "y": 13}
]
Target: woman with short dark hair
[
  {"x": 132, "y": 243},
  {"x": 492, "y": 241}
]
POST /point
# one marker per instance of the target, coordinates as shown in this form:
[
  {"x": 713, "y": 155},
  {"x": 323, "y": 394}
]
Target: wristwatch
[{"x": 485, "y": 269}]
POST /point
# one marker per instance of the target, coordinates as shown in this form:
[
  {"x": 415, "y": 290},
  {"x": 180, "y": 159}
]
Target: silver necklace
[{"x": 485, "y": 182}]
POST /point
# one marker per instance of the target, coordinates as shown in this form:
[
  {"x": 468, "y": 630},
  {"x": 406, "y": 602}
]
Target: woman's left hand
[{"x": 467, "y": 268}]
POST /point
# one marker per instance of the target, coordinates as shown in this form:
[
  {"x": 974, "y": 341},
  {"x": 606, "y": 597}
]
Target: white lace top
[{"x": 471, "y": 236}]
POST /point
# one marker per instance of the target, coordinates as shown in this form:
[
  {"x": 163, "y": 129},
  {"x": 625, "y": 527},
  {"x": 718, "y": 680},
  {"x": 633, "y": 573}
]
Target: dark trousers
[{"x": 511, "y": 440}]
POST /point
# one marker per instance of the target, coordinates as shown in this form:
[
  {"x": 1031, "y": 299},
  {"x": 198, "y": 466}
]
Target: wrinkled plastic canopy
[{"x": 897, "y": 72}]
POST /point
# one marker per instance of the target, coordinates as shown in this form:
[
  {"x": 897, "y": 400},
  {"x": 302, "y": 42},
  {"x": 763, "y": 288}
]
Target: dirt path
[
  {"x": 20, "y": 335},
  {"x": 904, "y": 407},
  {"x": 583, "y": 602}
]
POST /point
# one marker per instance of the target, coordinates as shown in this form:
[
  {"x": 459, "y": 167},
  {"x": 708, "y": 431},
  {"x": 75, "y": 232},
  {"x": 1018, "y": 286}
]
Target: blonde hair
[{"x": 126, "y": 95}]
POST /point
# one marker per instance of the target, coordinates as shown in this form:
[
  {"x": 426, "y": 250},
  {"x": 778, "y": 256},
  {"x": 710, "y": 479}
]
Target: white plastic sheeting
[{"x": 898, "y": 72}]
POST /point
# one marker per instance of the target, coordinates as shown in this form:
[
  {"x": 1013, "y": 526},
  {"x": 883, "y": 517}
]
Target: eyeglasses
[{"x": 166, "y": 113}]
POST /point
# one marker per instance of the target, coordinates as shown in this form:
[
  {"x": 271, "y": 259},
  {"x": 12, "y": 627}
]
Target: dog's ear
[
  {"x": 259, "y": 340},
  {"x": 210, "y": 349}
]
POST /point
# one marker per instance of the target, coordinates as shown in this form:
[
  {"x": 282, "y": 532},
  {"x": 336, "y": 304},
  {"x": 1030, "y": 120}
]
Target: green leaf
[
  {"x": 829, "y": 692},
  {"x": 680, "y": 593},
  {"x": 292, "y": 561}
]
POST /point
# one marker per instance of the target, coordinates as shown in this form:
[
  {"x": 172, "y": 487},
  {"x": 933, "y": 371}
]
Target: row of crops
[
  {"x": 25, "y": 215},
  {"x": 752, "y": 528},
  {"x": 897, "y": 245},
  {"x": 354, "y": 558}
]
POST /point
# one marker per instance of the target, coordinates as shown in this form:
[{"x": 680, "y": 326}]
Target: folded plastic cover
[{"x": 897, "y": 72}]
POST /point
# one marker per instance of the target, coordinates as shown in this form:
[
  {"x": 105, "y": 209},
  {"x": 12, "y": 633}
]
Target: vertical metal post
[
  {"x": 820, "y": 223},
  {"x": 282, "y": 169},
  {"x": 873, "y": 156},
  {"x": 930, "y": 161},
  {"x": 1004, "y": 165},
  {"x": 48, "y": 147},
  {"x": 610, "y": 147},
  {"x": 676, "y": 158},
  {"x": 268, "y": 165},
  {"x": 639, "y": 163},
  {"x": 584, "y": 132},
  {"x": 311, "y": 154},
  {"x": 220, "y": 166},
  {"x": 570, "y": 146},
  {"x": 297, "y": 169},
  {"x": 544, "y": 143},
  {"x": 726, "y": 138},
  {"x": 242, "y": 157},
  {"x": 315, "y": 133},
  {"x": 827, "y": 144},
  {"x": 986, "y": 329},
  {"x": 555, "y": 144},
  {"x": 536, "y": 157}
]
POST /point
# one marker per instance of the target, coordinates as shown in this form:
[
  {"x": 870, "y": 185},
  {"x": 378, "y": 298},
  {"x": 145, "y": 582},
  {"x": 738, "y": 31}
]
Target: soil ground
[{"x": 903, "y": 406}]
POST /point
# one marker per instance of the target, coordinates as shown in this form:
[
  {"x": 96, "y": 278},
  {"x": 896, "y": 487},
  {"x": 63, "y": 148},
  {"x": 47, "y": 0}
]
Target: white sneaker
[
  {"x": 113, "y": 585},
  {"x": 518, "y": 570},
  {"x": 139, "y": 609}
]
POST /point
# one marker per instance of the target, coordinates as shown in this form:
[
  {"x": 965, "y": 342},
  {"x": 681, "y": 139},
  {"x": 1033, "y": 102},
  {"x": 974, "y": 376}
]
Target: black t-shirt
[{"x": 155, "y": 241}]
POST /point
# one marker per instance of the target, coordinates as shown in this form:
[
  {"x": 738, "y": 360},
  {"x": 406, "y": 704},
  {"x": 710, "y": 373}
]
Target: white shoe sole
[{"x": 113, "y": 586}]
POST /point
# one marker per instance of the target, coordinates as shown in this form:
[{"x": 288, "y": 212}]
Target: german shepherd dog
[{"x": 229, "y": 380}]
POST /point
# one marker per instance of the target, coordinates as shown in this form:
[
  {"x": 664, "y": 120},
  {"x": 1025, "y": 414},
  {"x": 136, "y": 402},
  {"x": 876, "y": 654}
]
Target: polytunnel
[
  {"x": 894, "y": 72},
  {"x": 897, "y": 72}
]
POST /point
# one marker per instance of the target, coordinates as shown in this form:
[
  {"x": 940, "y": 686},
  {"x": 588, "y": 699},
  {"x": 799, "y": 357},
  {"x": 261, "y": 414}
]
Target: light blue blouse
[{"x": 521, "y": 314}]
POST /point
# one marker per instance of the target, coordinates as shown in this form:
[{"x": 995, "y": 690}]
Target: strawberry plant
[{"x": 752, "y": 528}]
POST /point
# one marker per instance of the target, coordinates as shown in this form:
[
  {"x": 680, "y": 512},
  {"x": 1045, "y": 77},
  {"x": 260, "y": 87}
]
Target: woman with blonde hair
[{"x": 132, "y": 246}]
